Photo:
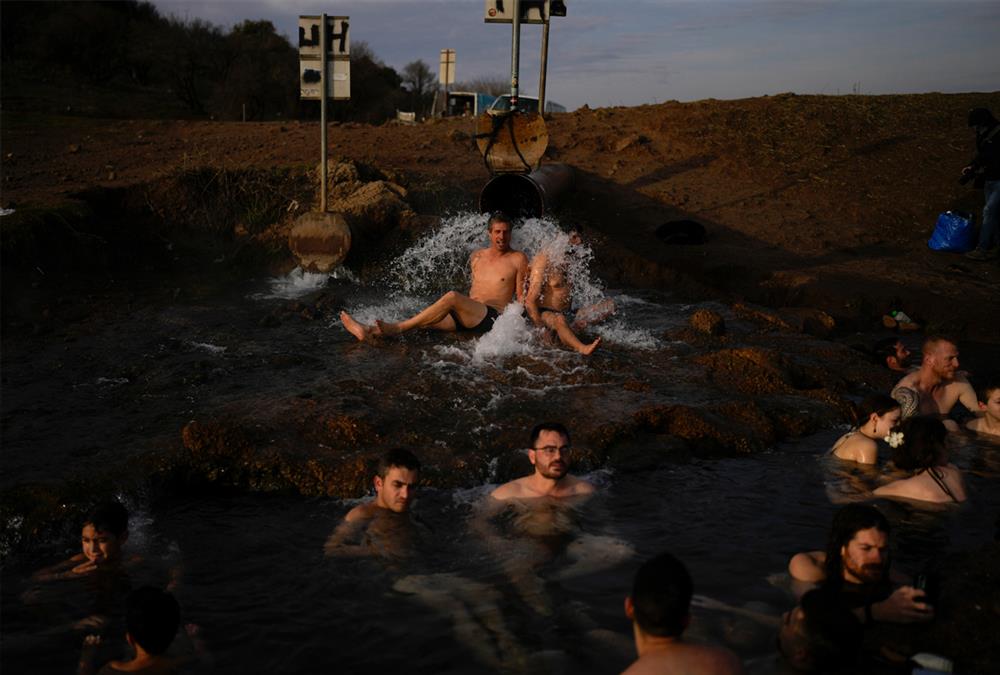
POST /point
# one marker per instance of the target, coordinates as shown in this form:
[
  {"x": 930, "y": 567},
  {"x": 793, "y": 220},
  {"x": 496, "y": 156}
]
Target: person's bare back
[{"x": 690, "y": 659}]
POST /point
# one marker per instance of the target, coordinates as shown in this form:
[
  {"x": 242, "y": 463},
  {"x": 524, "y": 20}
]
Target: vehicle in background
[
  {"x": 467, "y": 103},
  {"x": 525, "y": 104}
]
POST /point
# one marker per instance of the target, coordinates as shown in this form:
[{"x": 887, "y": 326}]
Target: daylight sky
[{"x": 630, "y": 52}]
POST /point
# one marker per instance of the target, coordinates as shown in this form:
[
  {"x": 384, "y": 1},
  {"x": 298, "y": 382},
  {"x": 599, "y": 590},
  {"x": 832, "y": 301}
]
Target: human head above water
[
  {"x": 499, "y": 228},
  {"x": 857, "y": 545},
  {"x": 892, "y": 353},
  {"x": 988, "y": 395},
  {"x": 104, "y": 531},
  {"x": 550, "y": 450},
  {"x": 878, "y": 413},
  {"x": 940, "y": 355},
  {"x": 820, "y": 634},
  {"x": 661, "y": 597},
  {"x": 923, "y": 444},
  {"x": 396, "y": 479},
  {"x": 151, "y": 619}
]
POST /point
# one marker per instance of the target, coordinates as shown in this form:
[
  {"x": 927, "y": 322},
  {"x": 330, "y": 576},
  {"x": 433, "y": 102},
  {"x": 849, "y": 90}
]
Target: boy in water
[
  {"x": 988, "y": 425},
  {"x": 104, "y": 533}
]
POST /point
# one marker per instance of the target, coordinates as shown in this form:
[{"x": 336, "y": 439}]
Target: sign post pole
[
  {"x": 545, "y": 67},
  {"x": 322, "y": 112}
]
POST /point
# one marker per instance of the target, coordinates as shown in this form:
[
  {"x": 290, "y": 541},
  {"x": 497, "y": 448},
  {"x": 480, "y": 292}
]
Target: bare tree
[{"x": 420, "y": 82}]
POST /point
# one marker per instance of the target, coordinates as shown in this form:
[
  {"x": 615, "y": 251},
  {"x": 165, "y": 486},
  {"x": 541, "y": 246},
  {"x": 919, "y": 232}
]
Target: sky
[{"x": 631, "y": 52}]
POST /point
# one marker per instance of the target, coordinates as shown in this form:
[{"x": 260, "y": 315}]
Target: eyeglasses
[{"x": 552, "y": 449}]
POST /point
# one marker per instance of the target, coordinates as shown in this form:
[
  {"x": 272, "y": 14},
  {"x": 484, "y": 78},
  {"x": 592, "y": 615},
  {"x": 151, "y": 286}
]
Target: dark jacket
[{"x": 987, "y": 159}]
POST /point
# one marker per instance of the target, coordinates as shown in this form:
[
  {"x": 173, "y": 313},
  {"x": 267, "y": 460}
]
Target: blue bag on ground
[{"x": 954, "y": 232}]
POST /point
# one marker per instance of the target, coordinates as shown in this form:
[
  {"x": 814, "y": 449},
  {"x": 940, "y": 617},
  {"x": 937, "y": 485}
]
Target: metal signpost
[
  {"x": 446, "y": 74},
  {"x": 527, "y": 12},
  {"x": 324, "y": 71}
]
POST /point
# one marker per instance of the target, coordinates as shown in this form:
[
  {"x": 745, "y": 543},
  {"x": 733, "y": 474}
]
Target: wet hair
[
  {"x": 397, "y": 457},
  {"x": 986, "y": 386},
  {"x": 548, "y": 426},
  {"x": 933, "y": 341},
  {"x": 923, "y": 443},
  {"x": 878, "y": 404},
  {"x": 981, "y": 117},
  {"x": 847, "y": 522},
  {"x": 883, "y": 349},
  {"x": 661, "y": 596},
  {"x": 108, "y": 517},
  {"x": 498, "y": 217},
  {"x": 832, "y": 635},
  {"x": 151, "y": 618}
]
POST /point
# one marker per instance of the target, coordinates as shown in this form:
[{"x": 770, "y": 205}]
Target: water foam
[{"x": 299, "y": 282}]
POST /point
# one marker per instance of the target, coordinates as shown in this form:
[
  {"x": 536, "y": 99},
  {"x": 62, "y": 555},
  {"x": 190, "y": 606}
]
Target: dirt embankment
[{"x": 808, "y": 200}]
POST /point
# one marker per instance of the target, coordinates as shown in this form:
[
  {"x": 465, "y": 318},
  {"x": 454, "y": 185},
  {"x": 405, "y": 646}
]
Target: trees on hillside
[{"x": 127, "y": 48}]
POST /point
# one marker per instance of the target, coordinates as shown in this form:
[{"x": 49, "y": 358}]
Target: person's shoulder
[
  {"x": 520, "y": 257},
  {"x": 974, "y": 424},
  {"x": 907, "y": 380},
  {"x": 960, "y": 381},
  {"x": 360, "y": 513},
  {"x": 509, "y": 490},
  {"x": 719, "y": 660},
  {"x": 582, "y": 486}
]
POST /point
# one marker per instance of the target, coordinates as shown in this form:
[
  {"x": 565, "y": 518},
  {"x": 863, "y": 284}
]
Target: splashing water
[
  {"x": 509, "y": 336},
  {"x": 299, "y": 282},
  {"x": 440, "y": 261}
]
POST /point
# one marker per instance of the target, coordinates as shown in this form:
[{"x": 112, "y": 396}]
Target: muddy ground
[
  {"x": 817, "y": 211},
  {"x": 808, "y": 200}
]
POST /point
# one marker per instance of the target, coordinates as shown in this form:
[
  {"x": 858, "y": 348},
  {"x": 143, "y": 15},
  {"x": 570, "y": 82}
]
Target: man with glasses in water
[
  {"x": 498, "y": 274},
  {"x": 550, "y": 454}
]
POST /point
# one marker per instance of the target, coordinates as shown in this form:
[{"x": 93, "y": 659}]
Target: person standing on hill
[{"x": 985, "y": 169}]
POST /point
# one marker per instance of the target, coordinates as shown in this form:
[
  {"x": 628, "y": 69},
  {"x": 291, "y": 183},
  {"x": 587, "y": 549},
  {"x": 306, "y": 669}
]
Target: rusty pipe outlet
[{"x": 527, "y": 195}]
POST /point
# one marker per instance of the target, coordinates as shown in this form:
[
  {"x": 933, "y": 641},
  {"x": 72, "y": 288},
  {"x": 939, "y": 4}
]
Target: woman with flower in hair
[
  {"x": 876, "y": 418},
  {"x": 923, "y": 451}
]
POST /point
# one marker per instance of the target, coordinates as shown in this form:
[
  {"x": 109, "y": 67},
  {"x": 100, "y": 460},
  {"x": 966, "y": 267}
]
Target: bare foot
[
  {"x": 587, "y": 350},
  {"x": 383, "y": 328},
  {"x": 358, "y": 330}
]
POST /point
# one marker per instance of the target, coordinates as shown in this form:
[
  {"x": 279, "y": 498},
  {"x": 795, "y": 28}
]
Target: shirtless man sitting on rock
[
  {"x": 549, "y": 296},
  {"x": 937, "y": 386},
  {"x": 498, "y": 274}
]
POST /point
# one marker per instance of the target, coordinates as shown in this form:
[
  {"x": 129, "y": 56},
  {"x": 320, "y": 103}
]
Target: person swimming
[
  {"x": 876, "y": 417},
  {"x": 924, "y": 452},
  {"x": 382, "y": 525}
]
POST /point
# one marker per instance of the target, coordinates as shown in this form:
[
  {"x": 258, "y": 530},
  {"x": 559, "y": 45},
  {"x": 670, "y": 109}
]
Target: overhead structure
[{"x": 514, "y": 140}]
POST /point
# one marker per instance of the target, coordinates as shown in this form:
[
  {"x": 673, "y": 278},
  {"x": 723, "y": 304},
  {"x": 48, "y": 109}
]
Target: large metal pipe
[{"x": 529, "y": 195}]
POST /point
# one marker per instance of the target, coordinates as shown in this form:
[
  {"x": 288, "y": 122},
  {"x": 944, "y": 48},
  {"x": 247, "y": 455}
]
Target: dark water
[
  {"x": 256, "y": 581},
  {"x": 123, "y": 382}
]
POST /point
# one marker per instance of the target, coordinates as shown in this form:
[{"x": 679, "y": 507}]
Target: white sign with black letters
[{"x": 338, "y": 57}]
